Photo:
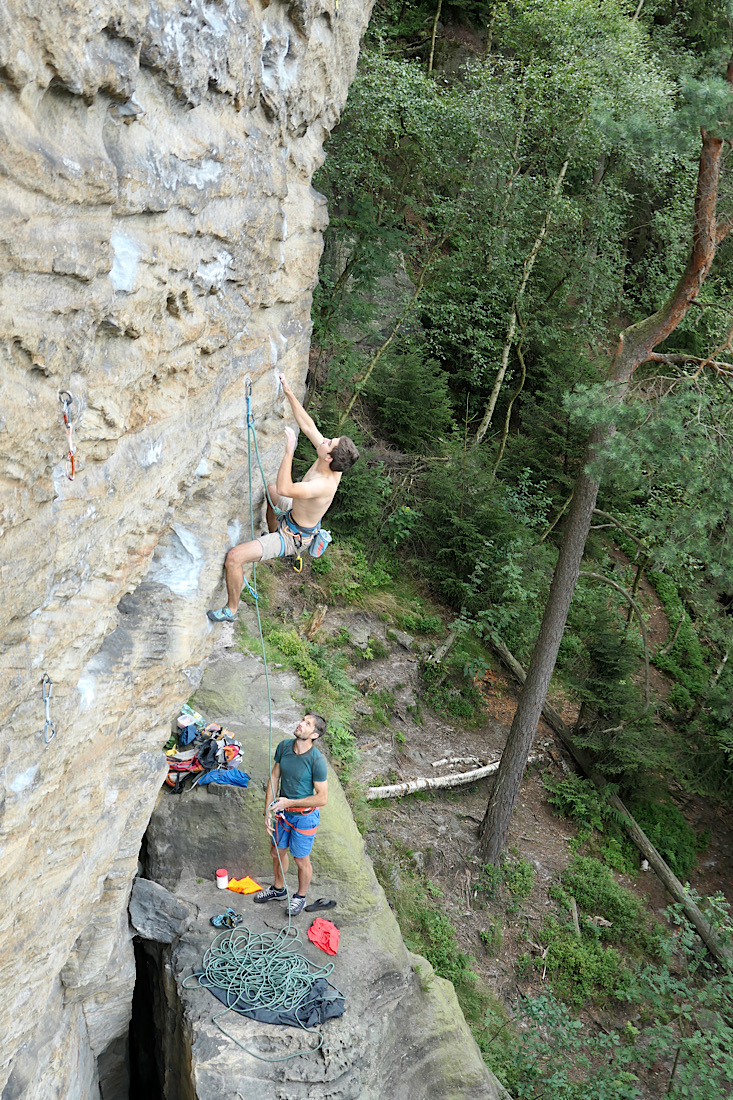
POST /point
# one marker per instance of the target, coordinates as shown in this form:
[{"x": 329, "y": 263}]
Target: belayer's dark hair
[
  {"x": 321, "y": 727},
  {"x": 344, "y": 455}
]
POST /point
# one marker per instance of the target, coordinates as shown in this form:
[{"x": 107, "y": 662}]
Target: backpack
[{"x": 219, "y": 754}]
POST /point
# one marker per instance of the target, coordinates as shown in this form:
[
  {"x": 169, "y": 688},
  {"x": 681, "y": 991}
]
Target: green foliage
[
  {"x": 418, "y": 622},
  {"x": 342, "y": 744},
  {"x": 404, "y": 381},
  {"x": 593, "y": 1065},
  {"x": 349, "y": 577},
  {"x": 684, "y": 660},
  {"x": 598, "y": 894},
  {"x": 511, "y": 882},
  {"x": 674, "y": 839},
  {"x": 401, "y": 524},
  {"x": 492, "y": 937},
  {"x": 447, "y": 689},
  {"x": 581, "y": 969},
  {"x": 662, "y": 821},
  {"x": 580, "y": 800}
]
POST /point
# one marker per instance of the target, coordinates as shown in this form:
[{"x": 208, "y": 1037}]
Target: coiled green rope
[{"x": 266, "y": 971}]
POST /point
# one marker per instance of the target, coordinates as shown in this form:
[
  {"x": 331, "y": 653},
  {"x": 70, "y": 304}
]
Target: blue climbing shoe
[
  {"x": 230, "y": 919},
  {"x": 223, "y": 615}
]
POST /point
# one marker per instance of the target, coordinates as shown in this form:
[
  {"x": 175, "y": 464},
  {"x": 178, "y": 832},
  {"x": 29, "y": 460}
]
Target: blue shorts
[{"x": 296, "y": 832}]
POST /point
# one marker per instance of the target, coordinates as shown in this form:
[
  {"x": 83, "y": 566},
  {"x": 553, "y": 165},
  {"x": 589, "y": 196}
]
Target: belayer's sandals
[{"x": 320, "y": 903}]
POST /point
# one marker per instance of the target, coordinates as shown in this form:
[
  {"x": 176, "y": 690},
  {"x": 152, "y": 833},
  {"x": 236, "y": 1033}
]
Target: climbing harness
[
  {"x": 46, "y": 689},
  {"x": 66, "y": 401}
]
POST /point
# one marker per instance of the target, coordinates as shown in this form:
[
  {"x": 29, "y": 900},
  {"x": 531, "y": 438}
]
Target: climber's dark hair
[
  {"x": 344, "y": 455},
  {"x": 321, "y": 727}
]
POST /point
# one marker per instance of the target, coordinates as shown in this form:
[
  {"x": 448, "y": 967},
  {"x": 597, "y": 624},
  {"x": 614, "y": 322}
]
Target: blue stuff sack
[
  {"x": 319, "y": 543},
  {"x": 187, "y": 734}
]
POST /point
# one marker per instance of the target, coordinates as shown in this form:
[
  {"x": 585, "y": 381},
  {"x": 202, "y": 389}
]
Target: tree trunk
[
  {"x": 495, "y": 826},
  {"x": 435, "y": 782},
  {"x": 635, "y": 346}
]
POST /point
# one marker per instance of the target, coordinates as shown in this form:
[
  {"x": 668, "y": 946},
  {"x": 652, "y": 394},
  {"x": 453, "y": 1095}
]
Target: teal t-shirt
[{"x": 298, "y": 772}]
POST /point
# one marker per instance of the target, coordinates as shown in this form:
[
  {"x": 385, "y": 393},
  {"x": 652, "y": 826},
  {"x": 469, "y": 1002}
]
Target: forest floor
[{"x": 433, "y": 836}]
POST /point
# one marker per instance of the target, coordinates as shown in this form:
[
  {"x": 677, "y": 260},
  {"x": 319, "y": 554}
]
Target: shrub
[
  {"x": 598, "y": 894},
  {"x": 674, "y": 839},
  {"x": 581, "y": 968}
]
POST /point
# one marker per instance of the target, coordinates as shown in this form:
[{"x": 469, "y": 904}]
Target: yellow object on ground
[{"x": 245, "y": 885}]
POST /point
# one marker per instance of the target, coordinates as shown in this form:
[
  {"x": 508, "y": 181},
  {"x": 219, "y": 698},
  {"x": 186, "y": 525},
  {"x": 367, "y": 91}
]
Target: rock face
[
  {"x": 159, "y": 240},
  {"x": 402, "y": 1034}
]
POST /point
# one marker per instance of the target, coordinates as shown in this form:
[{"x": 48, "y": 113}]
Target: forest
[{"x": 525, "y": 321}]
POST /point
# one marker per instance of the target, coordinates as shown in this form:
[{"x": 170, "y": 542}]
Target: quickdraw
[
  {"x": 66, "y": 402},
  {"x": 46, "y": 689}
]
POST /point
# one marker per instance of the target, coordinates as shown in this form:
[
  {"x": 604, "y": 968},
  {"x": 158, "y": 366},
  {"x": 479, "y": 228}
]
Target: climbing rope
[
  {"x": 264, "y": 969},
  {"x": 66, "y": 401},
  {"x": 46, "y": 689}
]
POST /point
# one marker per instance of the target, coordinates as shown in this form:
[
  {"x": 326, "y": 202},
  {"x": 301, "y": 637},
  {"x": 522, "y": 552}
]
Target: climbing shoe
[
  {"x": 223, "y": 615},
  {"x": 270, "y": 894},
  {"x": 297, "y": 905},
  {"x": 230, "y": 919}
]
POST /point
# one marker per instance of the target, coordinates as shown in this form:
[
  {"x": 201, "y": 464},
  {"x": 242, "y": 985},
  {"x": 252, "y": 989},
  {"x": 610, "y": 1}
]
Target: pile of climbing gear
[{"x": 206, "y": 751}]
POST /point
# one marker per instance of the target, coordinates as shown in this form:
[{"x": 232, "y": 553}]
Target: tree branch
[
  {"x": 615, "y": 523},
  {"x": 529, "y": 263}
]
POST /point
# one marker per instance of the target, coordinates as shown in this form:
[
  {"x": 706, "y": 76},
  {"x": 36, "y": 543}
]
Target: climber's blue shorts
[{"x": 297, "y": 831}]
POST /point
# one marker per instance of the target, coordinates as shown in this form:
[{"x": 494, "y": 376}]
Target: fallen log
[
  {"x": 449, "y": 761},
  {"x": 397, "y": 790},
  {"x": 636, "y": 834}
]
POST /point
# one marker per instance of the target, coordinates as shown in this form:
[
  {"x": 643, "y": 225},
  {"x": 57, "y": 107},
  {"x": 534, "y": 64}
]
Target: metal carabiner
[
  {"x": 298, "y": 564},
  {"x": 46, "y": 689},
  {"x": 67, "y": 401},
  {"x": 248, "y": 396}
]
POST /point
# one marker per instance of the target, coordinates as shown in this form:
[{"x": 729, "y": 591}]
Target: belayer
[
  {"x": 296, "y": 792},
  {"x": 300, "y": 505}
]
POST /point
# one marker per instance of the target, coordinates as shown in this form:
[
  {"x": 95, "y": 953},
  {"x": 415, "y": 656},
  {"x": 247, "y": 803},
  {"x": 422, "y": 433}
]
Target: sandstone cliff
[{"x": 159, "y": 240}]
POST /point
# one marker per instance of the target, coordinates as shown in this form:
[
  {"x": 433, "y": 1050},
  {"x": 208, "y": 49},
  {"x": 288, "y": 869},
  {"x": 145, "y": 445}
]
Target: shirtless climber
[{"x": 300, "y": 505}]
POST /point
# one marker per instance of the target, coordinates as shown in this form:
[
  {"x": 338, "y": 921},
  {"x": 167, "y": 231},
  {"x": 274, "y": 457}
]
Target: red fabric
[{"x": 324, "y": 934}]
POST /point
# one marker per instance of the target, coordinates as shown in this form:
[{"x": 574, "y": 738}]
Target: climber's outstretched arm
[
  {"x": 286, "y": 487},
  {"x": 302, "y": 419}
]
